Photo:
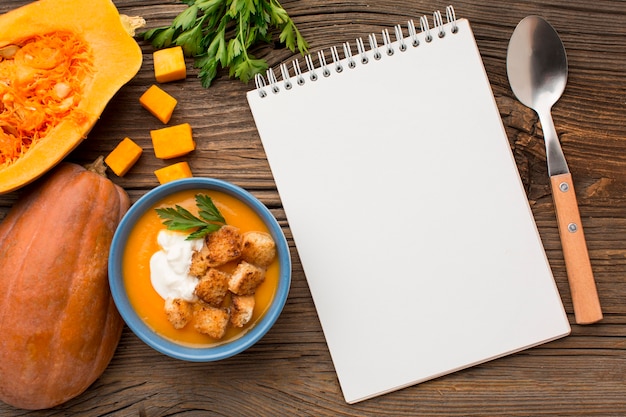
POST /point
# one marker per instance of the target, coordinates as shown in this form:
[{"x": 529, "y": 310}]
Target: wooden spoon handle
[{"x": 579, "y": 274}]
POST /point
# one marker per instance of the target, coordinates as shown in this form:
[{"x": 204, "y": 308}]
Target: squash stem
[
  {"x": 98, "y": 166},
  {"x": 132, "y": 23}
]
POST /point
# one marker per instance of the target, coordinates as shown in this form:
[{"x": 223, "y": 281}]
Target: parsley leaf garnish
[
  {"x": 219, "y": 33},
  {"x": 180, "y": 219}
]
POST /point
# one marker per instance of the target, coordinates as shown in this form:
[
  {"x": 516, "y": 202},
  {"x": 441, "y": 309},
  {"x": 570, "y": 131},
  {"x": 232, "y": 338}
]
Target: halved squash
[{"x": 115, "y": 58}]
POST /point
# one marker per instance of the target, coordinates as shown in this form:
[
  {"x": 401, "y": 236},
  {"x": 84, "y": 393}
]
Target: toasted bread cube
[
  {"x": 199, "y": 264},
  {"x": 178, "y": 312},
  {"x": 219, "y": 248},
  {"x": 241, "y": 309},
  {"x": 159, "y": 103},
  {"x": 169, "y": 64},
  {"x": 173, "y": 141},
  {"x": 123, "y": 157},
  {"x": 213, "y": 287},
  {"x": 222, "y": 246},
  {"x": 246, "y": 278},
  {"x": 173, "y": 172},
  {"x": 210, "y": 320},
  {"x": 258, "y": 248}
]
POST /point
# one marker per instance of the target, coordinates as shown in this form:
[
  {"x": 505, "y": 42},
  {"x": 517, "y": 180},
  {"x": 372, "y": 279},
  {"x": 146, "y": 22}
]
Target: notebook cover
[{"x": 409, "y": 216}]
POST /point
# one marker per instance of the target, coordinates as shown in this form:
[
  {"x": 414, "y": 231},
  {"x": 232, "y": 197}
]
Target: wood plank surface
[{"x": 289, "y": 372}]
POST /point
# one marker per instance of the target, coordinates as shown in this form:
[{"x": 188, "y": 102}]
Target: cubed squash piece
[
  {"x": 173, "y": 172},
  {"x": 159, "y": 103},
  {"x": 123, "y": 157},
  {"x": 173, "y": 141},
  {"x": 169, "y": 64}
]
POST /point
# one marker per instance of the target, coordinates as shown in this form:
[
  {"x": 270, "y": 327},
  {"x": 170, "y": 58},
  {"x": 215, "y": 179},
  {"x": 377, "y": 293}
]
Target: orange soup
[{"x": 142, "y": 244}]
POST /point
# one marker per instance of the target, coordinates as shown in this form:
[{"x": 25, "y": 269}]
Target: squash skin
[
  {"x": 58, "y": 321},
  {"x": 116, "y": 60}
]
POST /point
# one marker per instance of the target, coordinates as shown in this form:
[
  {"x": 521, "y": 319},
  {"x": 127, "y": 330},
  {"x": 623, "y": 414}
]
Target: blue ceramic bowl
[{"x": 141, "y": 329}]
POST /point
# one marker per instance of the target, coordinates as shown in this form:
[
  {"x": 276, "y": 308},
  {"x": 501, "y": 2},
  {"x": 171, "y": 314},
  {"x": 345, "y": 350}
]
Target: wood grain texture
[{"x": 289, "y": 372}]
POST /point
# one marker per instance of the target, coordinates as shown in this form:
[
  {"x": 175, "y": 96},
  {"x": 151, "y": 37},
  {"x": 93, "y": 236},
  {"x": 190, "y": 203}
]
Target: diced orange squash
[
  {"x": 173, "y": 172},
  {"x": 173, "y": 141},
  {"x": 159, "y": 103},
  {"x": 123, "y": 157},
  {"x": 169, "y": 64}
]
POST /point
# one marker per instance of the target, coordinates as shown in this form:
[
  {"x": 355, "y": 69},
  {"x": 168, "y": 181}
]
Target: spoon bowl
[{"x": 536, "y": 64}]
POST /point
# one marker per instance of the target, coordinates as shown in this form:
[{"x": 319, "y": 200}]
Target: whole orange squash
[{"x": 59, "y": 327}]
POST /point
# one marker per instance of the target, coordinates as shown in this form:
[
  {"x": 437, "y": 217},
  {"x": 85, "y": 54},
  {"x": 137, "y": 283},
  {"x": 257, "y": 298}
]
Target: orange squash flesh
[
  {"x": 58, "y": 321},
  {"x": 116, "y": 60},
  {"x": 173, "y": 172}
]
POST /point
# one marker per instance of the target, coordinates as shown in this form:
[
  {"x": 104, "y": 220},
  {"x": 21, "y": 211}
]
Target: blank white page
[{"x": 408, "y": 213}]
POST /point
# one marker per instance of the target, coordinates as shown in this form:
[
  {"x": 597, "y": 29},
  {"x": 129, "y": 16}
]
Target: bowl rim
[{"x": 145, "y": 332}]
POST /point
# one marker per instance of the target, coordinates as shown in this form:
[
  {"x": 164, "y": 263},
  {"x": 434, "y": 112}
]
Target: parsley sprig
[
  {"x": 219, "y": 33},
  {"x": 178, "y": 218}
]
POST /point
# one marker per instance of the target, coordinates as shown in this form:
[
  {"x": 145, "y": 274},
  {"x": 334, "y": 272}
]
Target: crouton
[
  {"x": 178, "y": 312},
  {"x": 258, "y": 248},
  {"x": 199, "y": 265},
  {"x": 213, "y": 287},
  {"x": 209, "y": 320},
  {"x": 246, "y": 278},
  {"x": 220, "y": 247},
  {"x": 241, "y": 309}
]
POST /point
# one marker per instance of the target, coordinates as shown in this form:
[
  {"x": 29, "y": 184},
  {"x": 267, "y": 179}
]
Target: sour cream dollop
[{"x": 169, "y": 267}]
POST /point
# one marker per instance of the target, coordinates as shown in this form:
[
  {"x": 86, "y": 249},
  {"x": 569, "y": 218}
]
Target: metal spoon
[{"x": 537, "y": 70}]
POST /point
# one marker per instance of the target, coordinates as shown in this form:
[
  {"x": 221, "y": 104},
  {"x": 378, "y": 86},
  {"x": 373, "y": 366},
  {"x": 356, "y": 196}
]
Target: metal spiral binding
[
  {"x": 347, "y": 52},
  {"x": 387, "y": 42},
  {"x": 439, "y": 24},
  {"x": 311, "y": 68},
  {"x": 425, "y": 28},
  {"x": 374, "y": 46},
  {"x": 451, "y": 17},
  {"x": 336, "y": 60},
  {"x": 361, "y": 50},
  {"x": 400, "y": 38},
  {"x": 413, "y": 34},
  {"x": 284, "y": 71},
  {"x": 389, "y": 47},
  {"x": 298, "y": 72}
]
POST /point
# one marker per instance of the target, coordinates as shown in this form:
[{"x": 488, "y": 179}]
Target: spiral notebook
[{"x": 406, "y": 207}]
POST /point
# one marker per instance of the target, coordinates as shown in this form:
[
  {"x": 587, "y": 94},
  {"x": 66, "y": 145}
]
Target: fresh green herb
[
  {"x": 178, "y": 218},
  {"x": 221, "y": 32}
]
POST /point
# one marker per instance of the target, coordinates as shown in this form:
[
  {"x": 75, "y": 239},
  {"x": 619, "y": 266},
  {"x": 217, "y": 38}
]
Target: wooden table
[{"x": 289, "y": 372}]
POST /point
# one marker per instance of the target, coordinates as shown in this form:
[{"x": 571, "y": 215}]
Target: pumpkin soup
[{"x": 143, "y": 244}]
